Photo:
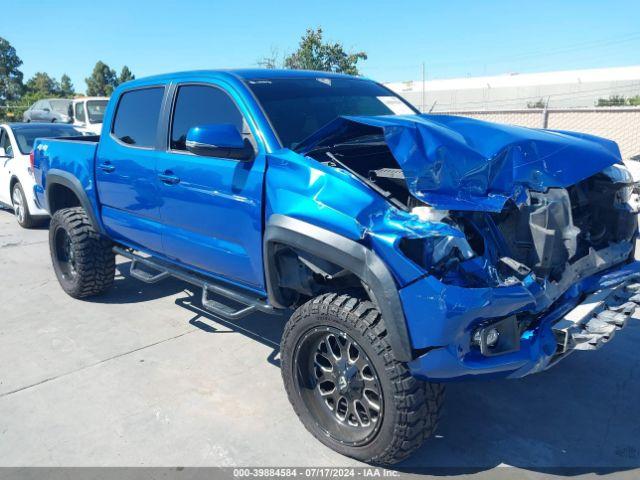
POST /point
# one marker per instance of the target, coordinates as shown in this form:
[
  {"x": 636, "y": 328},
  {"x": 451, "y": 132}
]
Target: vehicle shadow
[
  {"x": 266, "y": 329},
  {"x": 582, "y": 416},
  {"x": 129, "y": 290},
  {"x": 41, "y": 224},
  {"x": 261, "y": 327}
]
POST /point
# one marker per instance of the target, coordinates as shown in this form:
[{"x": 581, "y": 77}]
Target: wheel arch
[
  {"x": 347, "y": 254},
  {"x": 63, "y": 190},
  {"x": 12, "y": 182}
]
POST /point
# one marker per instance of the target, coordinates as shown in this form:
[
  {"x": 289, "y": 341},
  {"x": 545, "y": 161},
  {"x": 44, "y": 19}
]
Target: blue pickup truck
[{"x": 412, "y": 249}]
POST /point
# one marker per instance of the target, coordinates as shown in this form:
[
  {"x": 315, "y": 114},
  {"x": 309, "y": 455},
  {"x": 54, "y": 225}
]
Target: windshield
[
  {"x": 96, "y": 109},
  {"x": 25, "y": 136},
  {"x": 297, "y": 107},
  {"x": 61, "y": 106}
]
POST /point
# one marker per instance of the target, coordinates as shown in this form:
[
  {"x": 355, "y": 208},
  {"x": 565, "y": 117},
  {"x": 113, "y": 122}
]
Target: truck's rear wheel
[
  {"x": 83, "y": 260},
  {"x": 346, "y": 385}
]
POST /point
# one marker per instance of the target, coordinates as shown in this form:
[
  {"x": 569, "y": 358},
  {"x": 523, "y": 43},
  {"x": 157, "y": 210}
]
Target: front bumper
[{"x": 584, "y": 317}]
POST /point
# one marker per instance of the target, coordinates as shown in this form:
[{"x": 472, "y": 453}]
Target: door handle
[
  {"x": 106, "y": 167},
  {"x": 168, "y": 178}
]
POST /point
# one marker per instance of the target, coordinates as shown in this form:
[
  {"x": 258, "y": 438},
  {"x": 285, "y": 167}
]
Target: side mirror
[
  {"x": 46, "y": 109},
  {"x": 222, "y": 141},
  {"x": 3, "y": 153}
]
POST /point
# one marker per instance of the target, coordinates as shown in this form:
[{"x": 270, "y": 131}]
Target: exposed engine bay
[
  {"x": 555, "y": 236},
  {"x": 511, "y": 236},
  {"x": 561, "y": 226}
]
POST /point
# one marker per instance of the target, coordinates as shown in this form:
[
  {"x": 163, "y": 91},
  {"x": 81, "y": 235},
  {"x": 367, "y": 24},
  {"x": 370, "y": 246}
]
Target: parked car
[
  {"x": 16, "y": 176},
  {"x": 88, "y": 113},
  {"x": 414, "y": 249},
  {"x": 49, "y": 110}
]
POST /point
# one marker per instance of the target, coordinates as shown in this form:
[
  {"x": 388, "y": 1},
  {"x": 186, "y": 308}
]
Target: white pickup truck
[{"x": 88, "y": 113}]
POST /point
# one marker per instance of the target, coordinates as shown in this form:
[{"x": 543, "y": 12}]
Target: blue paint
[
  {"x": 458, "y": 163},
  {"x": 222, "y": 136},
  {"x": 212, "y": 220},
  {"x": 538, "y": 345},
  {"x": 56, "y": 156}
]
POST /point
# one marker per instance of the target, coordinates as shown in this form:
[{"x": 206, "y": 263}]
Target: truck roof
[{"x": 243, "y": 74}]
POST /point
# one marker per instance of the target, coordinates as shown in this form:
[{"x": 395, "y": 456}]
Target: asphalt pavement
[{"x": 144, "y": 377}]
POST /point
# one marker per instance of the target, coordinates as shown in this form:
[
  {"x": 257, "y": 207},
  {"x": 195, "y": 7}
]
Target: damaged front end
[{"x": 525, "y": 237}]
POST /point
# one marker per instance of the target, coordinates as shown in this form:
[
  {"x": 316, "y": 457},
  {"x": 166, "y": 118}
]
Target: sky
[{"x": 453, "y": 38}]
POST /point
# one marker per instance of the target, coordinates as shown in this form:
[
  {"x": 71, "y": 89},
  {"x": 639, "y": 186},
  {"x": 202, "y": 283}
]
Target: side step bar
[{"x": 160, "y": 271}]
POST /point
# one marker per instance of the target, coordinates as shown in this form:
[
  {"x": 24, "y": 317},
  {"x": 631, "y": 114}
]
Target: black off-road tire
[
  {"x": 93, "y": 258},
  {"x": 411, "y": 407}
]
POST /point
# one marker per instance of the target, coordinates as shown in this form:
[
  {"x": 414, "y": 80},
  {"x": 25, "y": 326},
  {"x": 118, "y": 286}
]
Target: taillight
[{"x": 32, "y": 159}]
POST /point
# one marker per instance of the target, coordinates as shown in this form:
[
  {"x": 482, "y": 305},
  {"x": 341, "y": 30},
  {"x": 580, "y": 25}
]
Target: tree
[
  {"x": 315, "y": 54},
  {"x": 272, "y": 60},
  {"x": 10, "y": 74},
  {"x": 66, "y": 87},
  {"x": 43, "y": 85},
  {"x": 102, "y": 81},
  {"x": 612, "y": 101},
  {"x": 537, "y": 104},
  {"x": 125, "y": 75},
  {"x": 634, "y": 101}
]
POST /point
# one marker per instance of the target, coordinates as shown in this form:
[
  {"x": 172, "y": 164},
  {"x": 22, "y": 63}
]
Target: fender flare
[
  {"x": 348, "y": 254},
  {"x": 66, "y": 179}
]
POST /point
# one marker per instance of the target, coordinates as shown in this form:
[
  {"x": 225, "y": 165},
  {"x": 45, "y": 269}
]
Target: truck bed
[{"x": 72, "y": 158}]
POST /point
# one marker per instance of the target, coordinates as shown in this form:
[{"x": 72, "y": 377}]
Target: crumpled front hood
[{"x": 458, "y": 163}]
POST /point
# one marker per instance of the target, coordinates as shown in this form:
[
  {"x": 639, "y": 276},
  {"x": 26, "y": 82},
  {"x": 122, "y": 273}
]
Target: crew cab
[{"x": 414, "y": 249}]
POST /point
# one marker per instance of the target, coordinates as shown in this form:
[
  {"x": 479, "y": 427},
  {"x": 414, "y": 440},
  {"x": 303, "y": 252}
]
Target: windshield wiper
[{"x": 364, "y": 141}]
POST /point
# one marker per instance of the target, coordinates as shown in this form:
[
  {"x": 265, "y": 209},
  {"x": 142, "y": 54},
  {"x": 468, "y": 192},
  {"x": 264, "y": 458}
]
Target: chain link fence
[
  {"x": 12, "y": 113},
  {"x": 621, "y": 124}
]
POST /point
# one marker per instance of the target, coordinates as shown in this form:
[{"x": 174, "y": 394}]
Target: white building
[{"x": 562, "y": 89}]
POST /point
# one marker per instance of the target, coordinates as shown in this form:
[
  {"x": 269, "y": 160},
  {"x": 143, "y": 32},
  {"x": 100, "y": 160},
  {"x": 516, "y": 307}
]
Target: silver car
[{"x": 49, "y": 110}]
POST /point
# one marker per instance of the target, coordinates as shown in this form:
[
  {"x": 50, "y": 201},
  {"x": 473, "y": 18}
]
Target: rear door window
[{"x": 136, "y": 121}]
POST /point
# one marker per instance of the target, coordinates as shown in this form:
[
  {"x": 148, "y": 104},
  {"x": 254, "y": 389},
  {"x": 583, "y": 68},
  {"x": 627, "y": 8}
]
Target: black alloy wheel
[{"x": 339, "y": 385}]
